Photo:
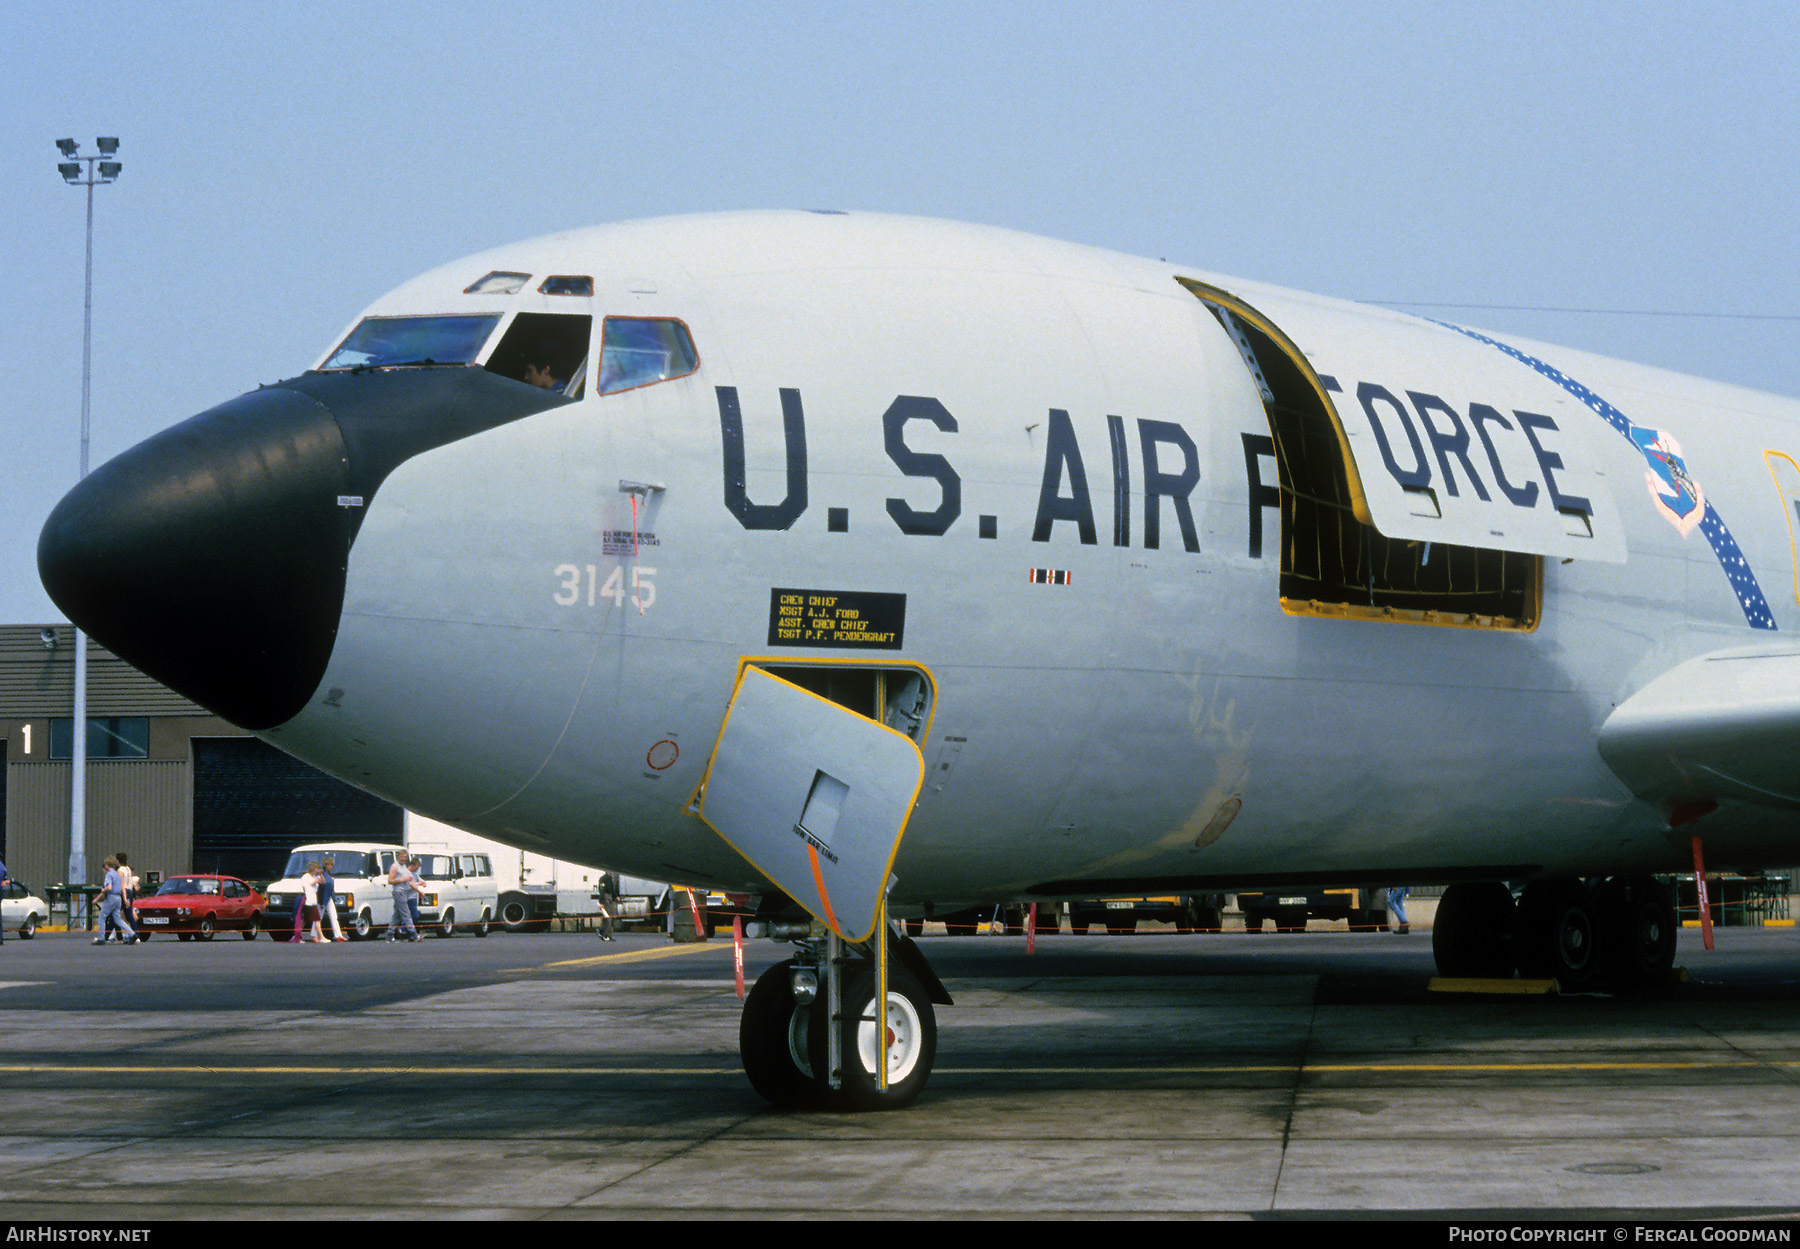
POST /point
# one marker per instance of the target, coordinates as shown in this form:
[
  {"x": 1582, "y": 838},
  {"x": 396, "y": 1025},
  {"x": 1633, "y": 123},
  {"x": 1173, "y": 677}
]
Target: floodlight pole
[{"x": 98, "y": 172}]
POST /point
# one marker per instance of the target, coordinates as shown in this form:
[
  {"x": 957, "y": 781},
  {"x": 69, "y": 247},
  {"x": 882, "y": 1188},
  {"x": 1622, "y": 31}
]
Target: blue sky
[{"x": 286, "y": 164}]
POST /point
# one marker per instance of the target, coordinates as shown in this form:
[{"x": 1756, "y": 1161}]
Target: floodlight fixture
[
  {"x": 107, "y": 146},
  {"x": 109, "y": 169},
  {"x": 68, "y": 146},
  {"x": 70, "y": 171}
]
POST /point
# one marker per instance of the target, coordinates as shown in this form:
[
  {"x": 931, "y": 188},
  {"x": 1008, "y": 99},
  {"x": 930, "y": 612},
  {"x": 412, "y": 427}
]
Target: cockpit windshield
[{"x": 413, "y": 342}]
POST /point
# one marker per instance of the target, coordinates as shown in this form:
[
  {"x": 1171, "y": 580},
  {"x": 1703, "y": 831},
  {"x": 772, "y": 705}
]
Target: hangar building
[{"x": 174, "y": 786}]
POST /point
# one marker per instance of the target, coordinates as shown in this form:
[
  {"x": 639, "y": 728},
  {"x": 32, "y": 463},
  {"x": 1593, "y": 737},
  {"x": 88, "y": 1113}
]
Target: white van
[
  {"x": 459, "y": 889},
  {"x": 362, "y": 899},
  {"x": 460, "y": 893}
]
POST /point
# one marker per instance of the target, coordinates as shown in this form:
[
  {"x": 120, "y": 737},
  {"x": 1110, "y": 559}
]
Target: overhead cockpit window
[
  {"x": 546, "y": 349},
  {"x": 412, "y": 342},
  {"x": 566, "y": 284},
  {"x": 639, "y": 351},
  {"x": 498, "y": 283}
]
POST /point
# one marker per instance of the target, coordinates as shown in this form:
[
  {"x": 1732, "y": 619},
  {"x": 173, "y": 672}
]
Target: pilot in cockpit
[{"x": 539, "y": 370}]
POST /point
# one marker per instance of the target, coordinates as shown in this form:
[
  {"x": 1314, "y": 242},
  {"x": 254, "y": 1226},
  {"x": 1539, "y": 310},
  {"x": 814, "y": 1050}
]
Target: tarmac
[{"x": 1159, "y": 1075}]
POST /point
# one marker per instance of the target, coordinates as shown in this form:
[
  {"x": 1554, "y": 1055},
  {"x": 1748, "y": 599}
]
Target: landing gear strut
[{"x": 806, "y": 1045}]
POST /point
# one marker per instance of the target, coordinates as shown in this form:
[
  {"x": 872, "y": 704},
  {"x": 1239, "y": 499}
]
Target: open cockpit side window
[
  {"x": 1334, "y": 562},
  {"x": 545, "y": 349}
]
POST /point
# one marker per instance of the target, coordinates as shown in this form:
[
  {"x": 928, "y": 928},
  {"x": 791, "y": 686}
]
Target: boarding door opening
[{"x": 815, "y": 794}]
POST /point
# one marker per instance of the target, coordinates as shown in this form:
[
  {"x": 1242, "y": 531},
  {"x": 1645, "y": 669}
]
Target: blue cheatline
[{"x": 1725, "y": 547}]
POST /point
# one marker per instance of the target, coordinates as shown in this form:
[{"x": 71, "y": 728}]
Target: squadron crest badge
[{"x": 1672, "y": 488}]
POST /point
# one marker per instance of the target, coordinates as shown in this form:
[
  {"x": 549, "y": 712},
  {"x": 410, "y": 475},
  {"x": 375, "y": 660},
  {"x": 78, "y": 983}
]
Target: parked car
[
  {"x": 22, "y": 909},
  {"x": 199, "y": 906}
]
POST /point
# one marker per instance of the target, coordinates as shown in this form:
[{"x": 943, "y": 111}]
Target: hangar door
[{"x": 253, "y": 805}]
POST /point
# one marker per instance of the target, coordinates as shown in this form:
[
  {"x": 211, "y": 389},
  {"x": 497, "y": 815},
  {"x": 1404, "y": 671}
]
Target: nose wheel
[
  {"x": 786, "y": 1043},
  {"x": 773, "y": 1038},
  {"x": 906, "y": 1048}
]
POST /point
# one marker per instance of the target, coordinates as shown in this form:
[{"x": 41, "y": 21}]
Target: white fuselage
[{"x": 543, "y": 622}]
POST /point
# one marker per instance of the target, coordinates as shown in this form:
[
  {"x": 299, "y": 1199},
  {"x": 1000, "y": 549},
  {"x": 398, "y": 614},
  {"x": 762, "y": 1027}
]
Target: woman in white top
[{"x": 309, "y": 891}]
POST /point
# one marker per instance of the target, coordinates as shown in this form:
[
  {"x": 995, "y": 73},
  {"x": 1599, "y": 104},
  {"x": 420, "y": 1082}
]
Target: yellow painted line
[
  {"x": 1545, "y": 1066},
  {"x": 1374, "y": 1068},
  {"x": 430, "y": 1069},
  {"x": 629, "y": 956},
  {"x": 417, "y": 1069}
]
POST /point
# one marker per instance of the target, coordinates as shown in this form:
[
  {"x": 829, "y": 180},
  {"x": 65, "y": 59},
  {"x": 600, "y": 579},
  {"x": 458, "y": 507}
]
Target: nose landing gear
[
  {"x": 906, "y": 1047},
  {"x": 809, "y": 1046}
]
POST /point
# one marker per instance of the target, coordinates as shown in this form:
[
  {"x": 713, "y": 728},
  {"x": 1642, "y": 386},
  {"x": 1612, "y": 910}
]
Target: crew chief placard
[{"x": 853, "y": 619}]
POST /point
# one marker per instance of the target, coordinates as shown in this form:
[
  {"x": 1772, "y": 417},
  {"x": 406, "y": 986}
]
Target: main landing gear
[
  {"x": 1617, "y": 933},
  {"x": 811, "y": 1035}
]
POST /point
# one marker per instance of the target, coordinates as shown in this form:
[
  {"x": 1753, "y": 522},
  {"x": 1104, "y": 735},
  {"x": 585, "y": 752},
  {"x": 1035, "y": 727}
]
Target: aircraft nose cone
[{"x": 212, "y": 556}]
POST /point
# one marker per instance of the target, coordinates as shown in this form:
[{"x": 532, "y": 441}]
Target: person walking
[
  {"x": 328, "y": 897},
  {"x": 403, "y": 885},
  {"x": 128, "y": 879},
  {"x": 1396, "y": 902},
  {"x": 606, "y": 895},
  {"x": 112, "y": 900},
  {"x": 309, "y": 892}
]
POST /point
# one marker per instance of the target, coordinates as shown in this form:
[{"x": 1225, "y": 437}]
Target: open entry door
[
  {"x": 1406, "y": 509},
  {"x": 814, "y": 795}
]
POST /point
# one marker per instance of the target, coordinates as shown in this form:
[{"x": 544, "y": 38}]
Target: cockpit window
[
  {"x": 566, "y": 284},
  {"x": 498, "y": 283},
  {"x": 402, "y": 342},
  {"x": 546, "y": 349},
  {"x": 639, "y": 351}
]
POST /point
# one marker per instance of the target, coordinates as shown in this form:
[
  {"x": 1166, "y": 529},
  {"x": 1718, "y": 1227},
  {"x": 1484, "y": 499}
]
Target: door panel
[{"x": 815, "y": 796}]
